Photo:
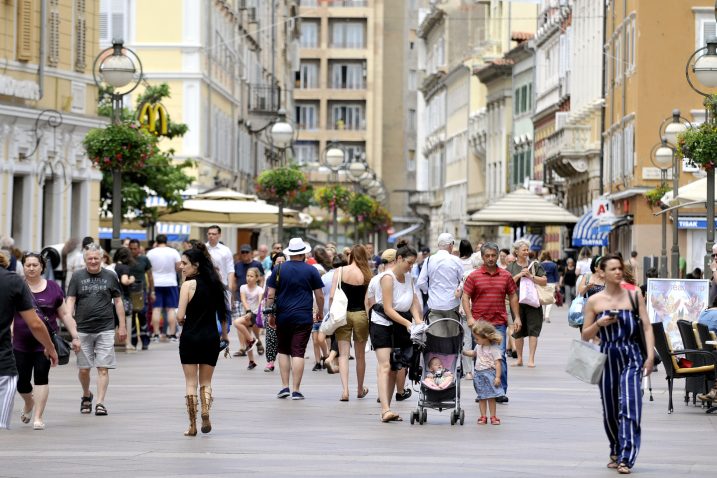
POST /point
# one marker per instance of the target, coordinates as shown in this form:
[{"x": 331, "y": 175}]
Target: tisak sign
[{"x": 153, "y": 118}]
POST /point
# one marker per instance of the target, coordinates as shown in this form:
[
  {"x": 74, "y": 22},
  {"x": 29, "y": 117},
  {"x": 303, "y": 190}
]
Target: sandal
[
  {"x": 362, "y": 393},
  {"x": 344, "y": 398},
  {"x": 613, "y": 462},
  {"x": 86, "y": 404},
  {"x": 483, "y": 421},
  {"x": 623, "y": 469},
  {"x": 25, "y": 416},
  {"x": 100, "y": 410},
  {"x": 259, "y": 347},
  {"x": 494, "y": 421},
  {"x": 38, "y": 426},
  {"x": 389, "y": 416}
]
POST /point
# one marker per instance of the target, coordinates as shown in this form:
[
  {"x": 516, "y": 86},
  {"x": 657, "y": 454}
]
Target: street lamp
[
  {"x": 705, "y": 70},
  {"x": 334, "y": 157},
  {"x": 281, "y": 136},
  {"x": 661, "y": 156},
  {"x": 120, "y": 68},
  {"x": 670, "y": 129}
]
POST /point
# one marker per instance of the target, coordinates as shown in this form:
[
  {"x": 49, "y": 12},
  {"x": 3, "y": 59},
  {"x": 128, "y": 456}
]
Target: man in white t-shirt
[
  {"x": 165, "y": 263},
  {"x": 222, "y": 257}
]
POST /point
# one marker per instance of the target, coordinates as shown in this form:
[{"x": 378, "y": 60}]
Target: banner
[{"x": 670, "y": 300}]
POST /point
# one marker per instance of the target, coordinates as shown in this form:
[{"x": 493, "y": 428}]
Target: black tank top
[{"x": 356, "y": 295}]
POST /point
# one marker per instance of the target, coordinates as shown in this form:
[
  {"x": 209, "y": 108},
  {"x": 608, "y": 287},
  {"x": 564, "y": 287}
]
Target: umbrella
[
  {"x": 519, "y": 207},
  {"x": 693, "y": 193}
]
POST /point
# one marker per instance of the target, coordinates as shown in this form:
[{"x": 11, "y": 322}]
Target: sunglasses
[{"x": 714, "y": 256}]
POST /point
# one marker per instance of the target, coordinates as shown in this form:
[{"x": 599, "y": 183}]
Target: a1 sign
[{"x": 602, "y": 210}]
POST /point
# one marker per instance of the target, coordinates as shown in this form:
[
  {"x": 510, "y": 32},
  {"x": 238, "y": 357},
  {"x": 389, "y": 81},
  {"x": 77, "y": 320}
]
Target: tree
[{"x": 146, "y": 169}]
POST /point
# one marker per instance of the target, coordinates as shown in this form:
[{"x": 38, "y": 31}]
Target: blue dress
[{"x": 621, "y": 386}]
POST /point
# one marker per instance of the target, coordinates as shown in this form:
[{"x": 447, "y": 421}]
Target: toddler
[
  {"x": 486, "y": 374},
  {"x": 437, "y": 377}
]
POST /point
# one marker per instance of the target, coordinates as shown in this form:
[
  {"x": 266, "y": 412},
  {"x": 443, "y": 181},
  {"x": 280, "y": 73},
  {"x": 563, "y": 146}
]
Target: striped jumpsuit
[{"x": 621, "y": 389}]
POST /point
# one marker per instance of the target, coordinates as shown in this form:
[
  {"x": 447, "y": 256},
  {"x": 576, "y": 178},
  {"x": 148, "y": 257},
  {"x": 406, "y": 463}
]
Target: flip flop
[
  {"x": 389, "y": 416},
  {"x": 344, "y": 398},
  {"x": 38, "y": 426},
  {"x": 363, "y": 393},
  {"x": 26, "y": 416}
]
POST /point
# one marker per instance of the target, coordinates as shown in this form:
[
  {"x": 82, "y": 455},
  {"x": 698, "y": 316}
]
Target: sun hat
[{"x": 297, "y": 247}]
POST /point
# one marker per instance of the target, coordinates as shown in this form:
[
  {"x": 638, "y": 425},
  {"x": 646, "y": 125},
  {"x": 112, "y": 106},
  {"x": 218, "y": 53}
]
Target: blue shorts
[{"x": 166, "y": 297}]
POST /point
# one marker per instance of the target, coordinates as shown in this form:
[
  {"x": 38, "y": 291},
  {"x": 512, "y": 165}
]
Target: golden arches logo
[{"x": 150, "y": 114}]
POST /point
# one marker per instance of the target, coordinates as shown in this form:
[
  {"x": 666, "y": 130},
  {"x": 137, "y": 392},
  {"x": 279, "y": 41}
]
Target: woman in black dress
[{"x": 201, "y": 301}]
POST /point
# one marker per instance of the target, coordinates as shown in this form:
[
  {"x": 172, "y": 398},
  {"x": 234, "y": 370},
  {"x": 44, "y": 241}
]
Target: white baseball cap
[{"x": 445, "y": 239}]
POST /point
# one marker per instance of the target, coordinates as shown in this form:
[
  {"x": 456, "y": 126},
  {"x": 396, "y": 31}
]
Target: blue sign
[{"x": 693, "y": 223}]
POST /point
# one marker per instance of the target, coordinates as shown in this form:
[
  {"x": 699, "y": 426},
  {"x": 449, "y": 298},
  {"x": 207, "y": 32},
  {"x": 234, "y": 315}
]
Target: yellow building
[
  {"x": 642, "y": 89},
  {"x": 48, "y": 190}
]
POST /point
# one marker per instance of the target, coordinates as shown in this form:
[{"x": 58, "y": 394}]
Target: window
[
  {"x": 25, "y": 28},
  {"x": 347, "y": 116},
  {"x": 354, "y": 151},
  {"x": 307, "y": 116},
  {"x": 306, "y": 151},
  {"x": 629, "y": 147},
  {"x": 113, "y": 21},
  {"x": 412, "y": 80},
  {"x": 53, "y": 34},
  {"x": 411, "y": 166},
  {"x": 309, "y": 34},
  {"x": 80, "y": 36},
  {"x": 347, "y": 76},
  {"x": 348, "y": 34},
  {"x": 308, "y": 75},
  {"x": 522, "y": 99},
  {"x": 411, "y": 120}
]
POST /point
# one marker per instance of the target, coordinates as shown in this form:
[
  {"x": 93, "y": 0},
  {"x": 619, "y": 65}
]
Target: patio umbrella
[{"x": 693, "y": 193}]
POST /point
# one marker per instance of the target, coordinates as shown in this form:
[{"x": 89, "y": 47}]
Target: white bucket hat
[{"x": 296, "y": 247}]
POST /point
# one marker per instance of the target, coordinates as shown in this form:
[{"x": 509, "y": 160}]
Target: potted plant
[
  {"x": 699, "y": 144},
  {"x": 654, "y": 196},
  {"x": 119, "y": 147},
  {"x": 284, "y": 186}
]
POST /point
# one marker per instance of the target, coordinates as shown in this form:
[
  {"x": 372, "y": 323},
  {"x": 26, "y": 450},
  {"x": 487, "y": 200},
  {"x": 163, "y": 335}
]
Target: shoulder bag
[
  {"x": 62, "y": 346},
  {"x": 575, "y": 312},
  {"x": 528, "y": 293},
  {"x": 337, "y": 311},
  {"x": 546, "y": 293},
  {"x": 641, "y": 342},
  {"x": 585, "y": 362}
]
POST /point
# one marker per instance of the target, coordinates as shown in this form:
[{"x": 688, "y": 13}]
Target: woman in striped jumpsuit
[{"x": 609, "y": 314}]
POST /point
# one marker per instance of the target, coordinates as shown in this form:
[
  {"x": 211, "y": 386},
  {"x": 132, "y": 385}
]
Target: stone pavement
[{"x": 551, "y": 427}]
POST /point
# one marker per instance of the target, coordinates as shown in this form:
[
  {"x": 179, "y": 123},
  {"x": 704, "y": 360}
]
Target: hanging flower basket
[
  {"x": 122, "y": 147},
  {"x": 360, "y": 206},
  {"x": 699, "y": 144},
  {"x": 654, "y": 196},
  {"x": 286, "y": 185},
  {"x": 332, "y": 197}
]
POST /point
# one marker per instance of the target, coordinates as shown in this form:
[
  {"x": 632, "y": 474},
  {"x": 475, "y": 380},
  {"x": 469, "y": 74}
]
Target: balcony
[
  {"x": 568, "y": 150},
  {"x": 264, "y": 98},
  {"x": 426, "y": 198}
]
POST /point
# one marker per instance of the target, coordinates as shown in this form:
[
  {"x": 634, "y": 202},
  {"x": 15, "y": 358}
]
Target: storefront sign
[
  {"x": 150, "y": 114},
  {"x": 693, "y": 223},
  {"x": 25, "y": 89}
]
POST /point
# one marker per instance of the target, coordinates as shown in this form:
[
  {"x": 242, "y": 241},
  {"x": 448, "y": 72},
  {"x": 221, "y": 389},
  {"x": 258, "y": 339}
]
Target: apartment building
[
  {"x": 642, "y": 89},
  {"x": 48, "y": 188}
]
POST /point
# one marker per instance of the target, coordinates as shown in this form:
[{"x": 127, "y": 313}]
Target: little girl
[
  {"x": 486, "y": 376},
  {"x": 250, "y": 294}
]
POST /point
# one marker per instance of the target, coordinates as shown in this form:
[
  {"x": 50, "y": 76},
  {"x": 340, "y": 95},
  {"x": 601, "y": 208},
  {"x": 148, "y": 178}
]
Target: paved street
[{"x": 551, "y": 427}]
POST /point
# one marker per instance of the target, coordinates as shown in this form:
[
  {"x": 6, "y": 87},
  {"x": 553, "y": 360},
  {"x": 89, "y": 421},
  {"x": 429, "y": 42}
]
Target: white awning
[
  {"x": 392, "y": 238},
  {"x": 522, "y": 207}
]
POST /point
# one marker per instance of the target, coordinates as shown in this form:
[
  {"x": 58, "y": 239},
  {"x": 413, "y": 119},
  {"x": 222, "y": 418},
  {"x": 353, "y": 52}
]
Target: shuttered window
[
  {"x": 113, "y": 21},
  {"x": 24, "y": 29},
  {"x": 80, "y": 36},
  {"x": 53, "y": 34}
]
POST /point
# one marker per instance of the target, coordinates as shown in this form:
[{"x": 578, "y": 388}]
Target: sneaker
[
  {"x": 296, "y": 396},
  {"x": 251, "y": 366},
  {"x": 317, "y": 368},
  {"x": 283, "y": 393},
  {"x": 269, "y": 367},
  {"x": 501, "y": 399},
  {"x": 155, "y": 338},
  {"x": 402, "y": 396},
  {"x": 173, "y": 338}
]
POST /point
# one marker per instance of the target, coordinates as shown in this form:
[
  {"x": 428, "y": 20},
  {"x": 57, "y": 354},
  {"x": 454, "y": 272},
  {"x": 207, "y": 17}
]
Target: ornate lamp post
[
  {"x": 662, "y": 157},
  {"x": 704, "y": 67},
  {"x": 334, "y": 157},
  {"x": 281, "y": 135},
  {"x": 120, "y": 68}
]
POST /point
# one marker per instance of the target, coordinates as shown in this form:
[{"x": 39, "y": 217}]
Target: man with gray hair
[
  {"x": 92, "y": 293},
  {"x": 440, "y": 278}
]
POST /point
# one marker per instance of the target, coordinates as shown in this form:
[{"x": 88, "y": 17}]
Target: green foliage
[
  {"x": 654, "y": 196},
  {"x": 699, "y": 144},
  {"x": 286, "y": 185},
  {"x": 123, "y": 146},
  {"x": 360, "y": 206},
  {"x": 331, "y": 197}
]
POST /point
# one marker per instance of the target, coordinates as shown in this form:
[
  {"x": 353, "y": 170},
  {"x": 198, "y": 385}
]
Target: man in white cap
[
  {"x": 293, "y": 286},
  {"x": 440, "y": 278}
]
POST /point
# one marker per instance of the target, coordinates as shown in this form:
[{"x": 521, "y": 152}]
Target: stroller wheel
[
  {"x": 453, "y": 418},
  {"x": 424, "y": 415},
  {"x": 462, "y": 417},
  {"x": 413, "y": 417}
]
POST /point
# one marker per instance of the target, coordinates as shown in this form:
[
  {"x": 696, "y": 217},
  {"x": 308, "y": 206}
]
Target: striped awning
[
  {"x": 393, "y": 237},
  {"x": 536, "y": 241},
  {"x": 587, "y": 232}
]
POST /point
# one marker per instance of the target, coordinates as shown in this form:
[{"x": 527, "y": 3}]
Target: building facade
[{"x": 49, "y": 191}]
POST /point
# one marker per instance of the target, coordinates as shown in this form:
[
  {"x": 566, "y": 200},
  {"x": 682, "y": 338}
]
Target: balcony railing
[{"x": 264, "y": 98}]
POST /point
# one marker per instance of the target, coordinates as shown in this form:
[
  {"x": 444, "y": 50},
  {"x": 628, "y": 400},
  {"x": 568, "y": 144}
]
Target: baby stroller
[{"x": 444, "y": 340}]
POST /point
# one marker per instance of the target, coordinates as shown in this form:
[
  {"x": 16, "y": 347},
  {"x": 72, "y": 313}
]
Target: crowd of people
[{"x": 277, "y": 300}]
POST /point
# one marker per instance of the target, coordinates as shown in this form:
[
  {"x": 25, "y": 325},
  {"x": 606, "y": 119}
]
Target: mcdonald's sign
[{"x": 150, "y": 114}]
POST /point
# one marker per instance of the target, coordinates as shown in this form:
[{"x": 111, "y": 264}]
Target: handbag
[
  {"x": 546, "y": 293},
  {"x": 641, "y": 342},
  {"x": 62, "y": 346},
  {"x": 528, "y": 293},
  {"x": 337, "y": 311},
  {"x": 575, "y": 312},
  {"x": 559, "y": 300},
  {"x": 137, "y": 298},
  {"x": 585, "y": 362}
]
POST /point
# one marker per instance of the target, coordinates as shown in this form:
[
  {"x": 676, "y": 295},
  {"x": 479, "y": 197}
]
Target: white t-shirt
[
  {"x": 223, "y": 260},
  {"x": 164, "y": 265},
  {"x": 486, "y": 356},
  {"x": 583, "y": 266},
  {"x": 402, "y": 297},
  {"x": 253, "y": 296},
  {"x": 327, "y": 279}
]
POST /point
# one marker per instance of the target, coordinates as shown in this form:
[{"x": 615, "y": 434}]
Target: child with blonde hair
[
  {"x": 486, "y": 373},
  {"x": 250, "y": 294}
]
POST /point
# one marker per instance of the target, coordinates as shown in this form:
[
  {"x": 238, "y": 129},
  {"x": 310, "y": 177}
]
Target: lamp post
[
  {"x": 334, "y": 157},
  {"x": 661, "y": 156},
  {"x": 705, "y": 70},
  {"x": 670, "y": 129},
  {"x": 281, "y": 135},
  {"x": 356, "y": 170},
  {"x": 120, "y": 68}
]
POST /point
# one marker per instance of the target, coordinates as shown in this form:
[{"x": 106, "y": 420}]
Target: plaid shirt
[{"x": 487, "y": 292}]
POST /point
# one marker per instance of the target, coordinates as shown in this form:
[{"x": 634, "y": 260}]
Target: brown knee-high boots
[
  {"x": 205, "y": 393},
  {"x": 192, "y": 412}
]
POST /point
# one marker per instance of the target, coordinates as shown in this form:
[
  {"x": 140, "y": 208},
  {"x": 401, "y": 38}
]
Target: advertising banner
[{"x": 670, "y": 300}]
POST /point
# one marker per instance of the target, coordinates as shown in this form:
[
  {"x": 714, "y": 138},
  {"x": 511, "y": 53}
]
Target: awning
[
  {"x": 691, "y": 192},
  {"x": 174, "y": 232},
  {"x": 392, "y": 238},
  {"x": 522, "y": 207},
  {"x": 586, "y": 232},
  {"x": 536, "y": 241}
]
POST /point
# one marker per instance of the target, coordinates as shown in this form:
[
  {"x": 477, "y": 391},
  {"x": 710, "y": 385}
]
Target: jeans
[{"x": 503, "y": 361}]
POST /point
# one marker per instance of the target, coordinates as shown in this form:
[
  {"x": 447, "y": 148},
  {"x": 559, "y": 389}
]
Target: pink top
[{"x": 486, "y": 356}]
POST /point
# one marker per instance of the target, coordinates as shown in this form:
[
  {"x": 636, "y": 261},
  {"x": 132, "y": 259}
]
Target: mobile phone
[{"x": 613, "y": 313}]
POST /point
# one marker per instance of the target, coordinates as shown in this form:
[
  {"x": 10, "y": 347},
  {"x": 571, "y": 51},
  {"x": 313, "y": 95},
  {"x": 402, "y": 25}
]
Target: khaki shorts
[
  {"x": 97, "y": 350},
  {"x": 358, "y": 323}
]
